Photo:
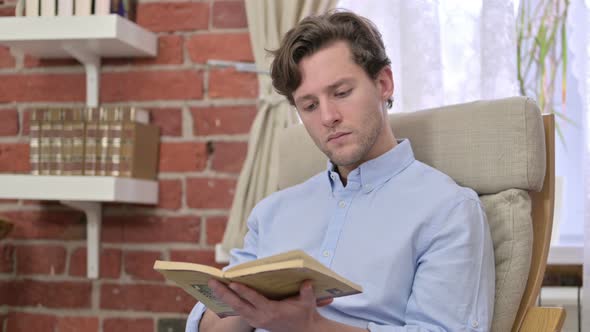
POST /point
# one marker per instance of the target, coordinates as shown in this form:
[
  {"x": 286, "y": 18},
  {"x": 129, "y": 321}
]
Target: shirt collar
[{"x": 375, "y": 172}]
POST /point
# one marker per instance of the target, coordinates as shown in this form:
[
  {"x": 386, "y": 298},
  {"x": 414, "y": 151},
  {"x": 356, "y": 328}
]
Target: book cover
[
  {"x": 138, "y": 152},
  {"x": 48, "y": 7},
  {"x": 276, "y": 277},
  {"x": 65, "y": 7},
  {"x": 35, "y": 141},
  {"x": 120, "y": 163}
]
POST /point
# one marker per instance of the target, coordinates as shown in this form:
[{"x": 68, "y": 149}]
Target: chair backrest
[{"x": 498, "y": 149}]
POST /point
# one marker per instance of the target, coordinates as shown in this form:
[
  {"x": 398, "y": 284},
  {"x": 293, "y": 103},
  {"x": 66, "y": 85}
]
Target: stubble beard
[{"x": 364, "y": 144}]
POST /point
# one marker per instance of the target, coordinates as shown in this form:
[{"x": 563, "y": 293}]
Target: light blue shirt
[{"x": 417, "y": 243}]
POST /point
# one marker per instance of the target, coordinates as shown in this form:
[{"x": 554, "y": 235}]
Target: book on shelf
[
  {"x": 32, "y": 7},
  {"x": 45, "y": 143},
  {"x": 124, "y": 8},
  {"x": 48, "y": 7},
  {"x": 138, "y": 151},
  {"x": 35, "y": 141},
  {"x": 73, "y": 141},
  {"x": 106, "y": 117},
  {"x": 65, "y": 7},
  {"x": 56, "y": 158},
  {"x": 276, "y": 277},
  {"x": 82, "y": 7},
  {"x": 102, "y": 7},
  {"x": 107, "y": 141},
  {"x": 91, "y": 141}
]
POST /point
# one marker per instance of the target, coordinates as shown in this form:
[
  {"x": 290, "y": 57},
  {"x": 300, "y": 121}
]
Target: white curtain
[
  {"x": 268, "y": 21},
  {"x": 445, "y": 52}
]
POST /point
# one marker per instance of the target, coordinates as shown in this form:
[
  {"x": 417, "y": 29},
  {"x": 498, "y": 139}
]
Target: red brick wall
[{"x": 204, "y": 115}]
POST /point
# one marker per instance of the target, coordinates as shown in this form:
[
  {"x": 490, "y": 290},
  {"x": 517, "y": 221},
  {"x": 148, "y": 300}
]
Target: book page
[{"x": 289, "y": 255}]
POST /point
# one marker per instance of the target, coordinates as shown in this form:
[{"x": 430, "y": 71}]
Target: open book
[{"x": 276, "y": 277}]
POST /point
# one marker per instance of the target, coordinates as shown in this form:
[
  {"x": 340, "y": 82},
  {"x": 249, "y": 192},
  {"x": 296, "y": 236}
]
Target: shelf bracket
[
  {"x": 93, "y": 211},
  {"x": 91, "y": 64}
]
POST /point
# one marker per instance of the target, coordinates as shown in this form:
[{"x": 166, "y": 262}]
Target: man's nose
[{"x": 330, "y": 114}]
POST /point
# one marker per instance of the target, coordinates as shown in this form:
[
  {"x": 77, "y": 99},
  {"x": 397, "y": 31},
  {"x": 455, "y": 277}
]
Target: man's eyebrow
[
  {"x": 331, "y": 87},
  {"x": 342, "y": 81}
]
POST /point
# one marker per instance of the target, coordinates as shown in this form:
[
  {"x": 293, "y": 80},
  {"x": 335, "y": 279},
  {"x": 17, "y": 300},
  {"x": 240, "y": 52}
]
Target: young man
[{"x": 417, "y": 242}]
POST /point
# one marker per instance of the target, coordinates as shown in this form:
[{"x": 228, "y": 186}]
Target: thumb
[{"x": 306, "y": 292}]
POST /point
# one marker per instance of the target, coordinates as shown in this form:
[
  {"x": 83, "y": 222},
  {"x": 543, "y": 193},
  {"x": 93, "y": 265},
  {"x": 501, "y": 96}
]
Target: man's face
[{"x": 342, "y": 108}]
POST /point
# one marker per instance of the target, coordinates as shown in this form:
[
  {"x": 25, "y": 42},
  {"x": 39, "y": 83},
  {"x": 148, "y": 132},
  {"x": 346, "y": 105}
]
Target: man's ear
[{"x": 385, "y": 83}]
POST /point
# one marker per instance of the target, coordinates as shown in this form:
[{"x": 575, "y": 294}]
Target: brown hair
[{"x": 316, "y": 32}]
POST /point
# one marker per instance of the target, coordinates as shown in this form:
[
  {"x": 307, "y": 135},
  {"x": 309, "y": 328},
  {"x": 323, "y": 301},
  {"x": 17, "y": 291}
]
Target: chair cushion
[
  {"x": 489, "y": 146},
  {"x": 509, "y": 217}
]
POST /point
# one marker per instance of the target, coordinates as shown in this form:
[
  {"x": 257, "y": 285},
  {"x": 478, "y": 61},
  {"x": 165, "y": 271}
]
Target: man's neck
[{"x": 343, "y": 171}]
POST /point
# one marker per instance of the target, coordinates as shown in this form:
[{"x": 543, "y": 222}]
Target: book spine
[
  {"x": 66, "y": 141},
  {"x": 78, "y": 130},
  {"x": 125, "y": 158},
  {"x": 32, "y": 8},
  {"x": 103, "y": 147},
  {"x": 91, "y": 142},
  {"x": 115, "y": 134},
  {"x": 65, "y": 7},
  {"x": 45, "y": 142},
  {"x": 102, "y": 7},
  {"x": 132, "y": 114},
  {"x": 48, "y": 7},
  {"x": 19, "y": 9},
  {"x": 35, "y": 141},
  {"x": 82, "y": 8},
  {"x": 56, "y": 158}
]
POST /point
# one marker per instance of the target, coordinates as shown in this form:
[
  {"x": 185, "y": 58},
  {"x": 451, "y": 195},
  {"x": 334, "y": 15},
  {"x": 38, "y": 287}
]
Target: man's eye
[
  {"x": 341, "y": 94},
  {"x": 310, "y": 107}
]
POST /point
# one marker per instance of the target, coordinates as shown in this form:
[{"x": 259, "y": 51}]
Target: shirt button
[
  {"x": 326, "y": 253},
  {"x": 342, "y": 204},
  {"x": 474, "y": 324}
]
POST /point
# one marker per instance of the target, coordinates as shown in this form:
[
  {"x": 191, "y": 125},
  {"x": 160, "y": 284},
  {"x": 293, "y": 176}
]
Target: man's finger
[
  {"x": 324, "y": 302},
  {"x": 306, "y": 292},
  {"x": 256, "y": 299},
  {"x": 227, "y": 296}
]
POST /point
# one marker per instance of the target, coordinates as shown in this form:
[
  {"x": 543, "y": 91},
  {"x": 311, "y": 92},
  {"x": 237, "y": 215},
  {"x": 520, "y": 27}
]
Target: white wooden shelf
[
  {"x": 86, "y": 38},
  {"x": 86, "y": 193}
]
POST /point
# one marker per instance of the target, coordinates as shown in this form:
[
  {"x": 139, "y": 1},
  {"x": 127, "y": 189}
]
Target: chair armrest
[{"x": 543, "y": 319}]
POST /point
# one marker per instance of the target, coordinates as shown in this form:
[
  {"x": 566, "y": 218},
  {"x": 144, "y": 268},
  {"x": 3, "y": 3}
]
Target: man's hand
[{"x": 298, "y": 313}]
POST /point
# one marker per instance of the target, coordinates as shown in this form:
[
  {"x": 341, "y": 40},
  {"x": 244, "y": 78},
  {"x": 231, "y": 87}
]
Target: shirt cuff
[{"x": 194, "y": 318}]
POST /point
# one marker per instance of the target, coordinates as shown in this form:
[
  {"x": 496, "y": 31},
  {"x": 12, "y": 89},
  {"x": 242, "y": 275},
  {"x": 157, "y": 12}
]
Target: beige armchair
[{"x": 504, "y": 150}]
